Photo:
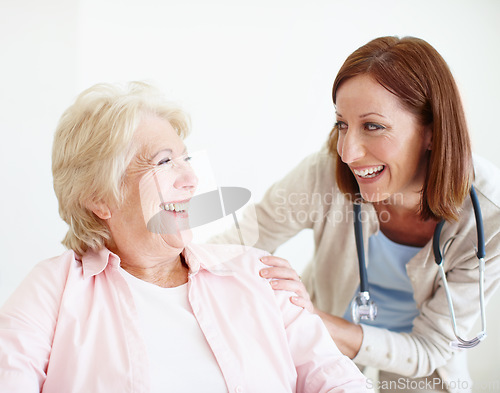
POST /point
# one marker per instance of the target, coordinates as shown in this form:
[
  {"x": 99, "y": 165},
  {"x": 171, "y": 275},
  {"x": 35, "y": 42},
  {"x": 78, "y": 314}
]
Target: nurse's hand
[
  {"x": 346, "y": 335},
  {"x": 284, "y": 277}
]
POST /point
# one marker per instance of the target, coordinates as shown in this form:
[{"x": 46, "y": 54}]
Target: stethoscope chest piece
[{"x": 362, "y": 307}]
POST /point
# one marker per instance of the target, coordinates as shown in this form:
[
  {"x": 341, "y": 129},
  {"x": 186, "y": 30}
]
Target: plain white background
[{"x": 255, "y": 77}]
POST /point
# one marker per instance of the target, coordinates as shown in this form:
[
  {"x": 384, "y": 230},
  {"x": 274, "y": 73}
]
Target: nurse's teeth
[
  {"x": 369, "y": 172},
  {"x": 177, "y": 207}
]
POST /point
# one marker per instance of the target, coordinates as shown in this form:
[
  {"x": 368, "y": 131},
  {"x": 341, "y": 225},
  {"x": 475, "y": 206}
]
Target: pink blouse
[{"x": 72, "y": 327}]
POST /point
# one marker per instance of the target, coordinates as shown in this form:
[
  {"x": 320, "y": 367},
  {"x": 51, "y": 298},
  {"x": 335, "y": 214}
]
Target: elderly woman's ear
[{"x": 100, "y": 209}]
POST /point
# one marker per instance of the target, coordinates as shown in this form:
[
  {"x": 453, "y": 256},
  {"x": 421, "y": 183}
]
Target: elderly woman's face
[
  {"x": 382, "y": 143},
  {"x": 159, "y": 183}
]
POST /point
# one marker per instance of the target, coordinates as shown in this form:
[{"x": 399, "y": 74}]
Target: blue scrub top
[{"x": 389, "y": 285}]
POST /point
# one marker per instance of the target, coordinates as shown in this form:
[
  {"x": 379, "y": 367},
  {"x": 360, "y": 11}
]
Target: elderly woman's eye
[{"x": 164, "y": 161}]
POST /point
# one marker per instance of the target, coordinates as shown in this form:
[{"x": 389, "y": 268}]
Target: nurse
[{"x": 400, "y": 146}]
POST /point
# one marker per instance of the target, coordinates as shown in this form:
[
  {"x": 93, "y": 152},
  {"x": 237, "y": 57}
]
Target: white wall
[
  {"x": 255, "y": 76},
  {"x": 38, "y": 49}
]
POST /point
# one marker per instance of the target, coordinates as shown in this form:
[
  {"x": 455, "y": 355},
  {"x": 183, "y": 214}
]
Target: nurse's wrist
[{"x": 347, "y": 336}]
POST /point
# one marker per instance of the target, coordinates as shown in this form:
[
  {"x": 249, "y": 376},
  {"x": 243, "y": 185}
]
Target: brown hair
[{"x": 415, "y": 72}]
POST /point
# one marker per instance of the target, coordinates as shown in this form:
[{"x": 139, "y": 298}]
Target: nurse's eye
[
  {"x": 341, "y": 126},
  {"x": 373, "y": 127}
]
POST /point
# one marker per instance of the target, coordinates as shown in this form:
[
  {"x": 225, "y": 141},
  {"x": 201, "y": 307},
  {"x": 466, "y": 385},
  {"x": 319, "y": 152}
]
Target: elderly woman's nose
[
  {"x": 350, "y": 147},
  {"x": 186, "y": 178}
]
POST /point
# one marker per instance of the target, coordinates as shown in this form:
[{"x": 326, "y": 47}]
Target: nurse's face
[{"x": 382, "y": 143}]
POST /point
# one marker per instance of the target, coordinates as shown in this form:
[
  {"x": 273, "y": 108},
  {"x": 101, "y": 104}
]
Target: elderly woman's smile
[{"x": 175, "y": 207}]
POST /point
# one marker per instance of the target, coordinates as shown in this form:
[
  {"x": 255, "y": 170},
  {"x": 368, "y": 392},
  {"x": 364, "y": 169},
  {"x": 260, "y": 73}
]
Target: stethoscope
[{"x": 363, "y": 307}]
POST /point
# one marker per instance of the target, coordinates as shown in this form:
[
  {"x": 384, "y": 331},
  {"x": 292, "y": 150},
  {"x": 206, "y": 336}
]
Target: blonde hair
[{"x": 92, "y": 150}]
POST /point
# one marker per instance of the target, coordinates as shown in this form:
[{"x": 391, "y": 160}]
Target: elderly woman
[
  {"x": 400, "y": 149},
  {"x": 131, "y": 309}
]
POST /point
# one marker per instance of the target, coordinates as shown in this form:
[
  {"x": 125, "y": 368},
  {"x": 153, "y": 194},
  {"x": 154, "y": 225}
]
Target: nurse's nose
[{"x": 350, "y": 146}]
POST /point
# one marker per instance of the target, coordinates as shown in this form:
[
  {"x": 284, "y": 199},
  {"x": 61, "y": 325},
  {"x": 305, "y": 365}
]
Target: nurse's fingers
[
  {"x": 301, "y": 302},
  {"x": 280, "y": 269},
  {"x": 280, "y": 273},
  {"x": 284, "y": 277},
  {"x": 291, "y": 286},
  {"x": 302, "y": 298},
  {"x": 271, "y": 260}
]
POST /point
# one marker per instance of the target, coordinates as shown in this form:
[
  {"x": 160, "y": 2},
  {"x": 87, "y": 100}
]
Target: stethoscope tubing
[
  {"x": 479, "y": 223},
  {"x": 358, "y": 233},
  {"x": 438, "y": 257}
]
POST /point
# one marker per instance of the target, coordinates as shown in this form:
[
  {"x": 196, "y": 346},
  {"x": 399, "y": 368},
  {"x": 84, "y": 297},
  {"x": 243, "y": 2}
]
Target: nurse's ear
[
  {"x": 428, "y": 137},
  {"x": 100, "y": 209}
]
